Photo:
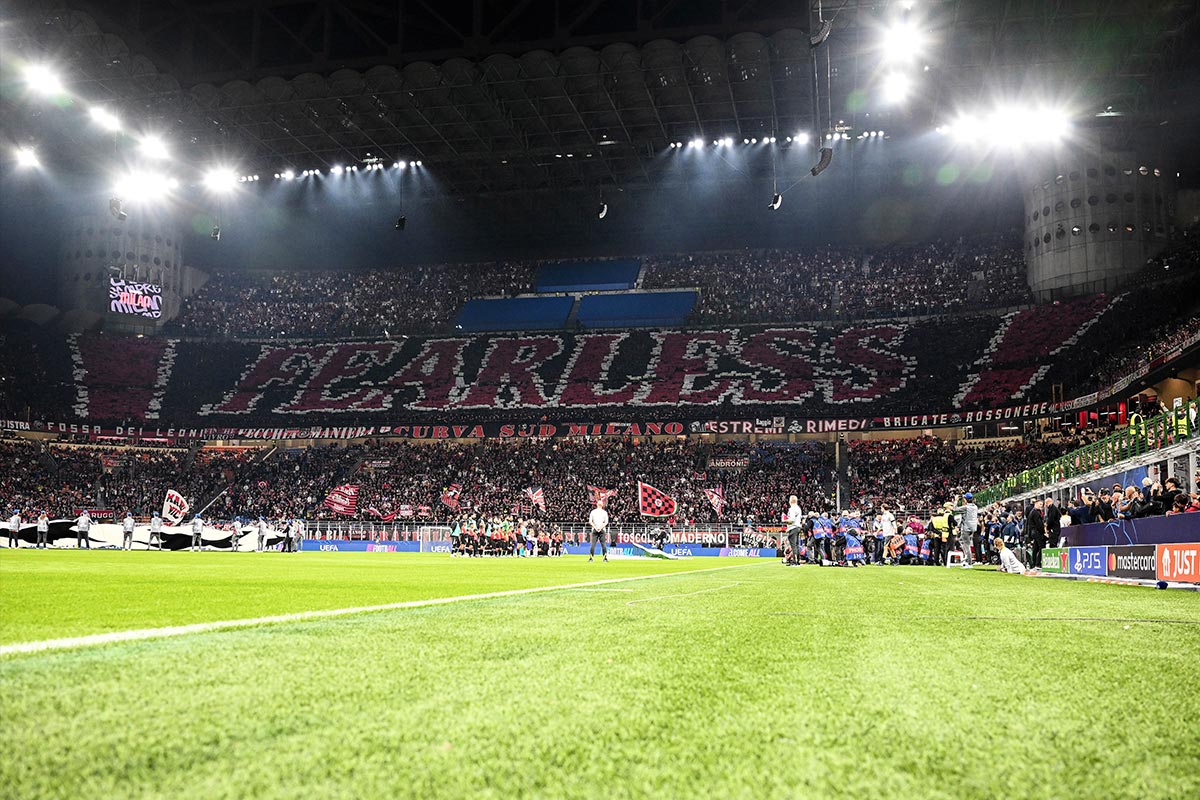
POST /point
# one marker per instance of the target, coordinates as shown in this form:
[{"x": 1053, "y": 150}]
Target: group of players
[{"x": 478, "y": 536}]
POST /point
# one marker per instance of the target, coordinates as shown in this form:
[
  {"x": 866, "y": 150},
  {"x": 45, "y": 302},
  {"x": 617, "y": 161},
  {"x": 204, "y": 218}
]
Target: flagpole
[{"x": 215, "y": 499}]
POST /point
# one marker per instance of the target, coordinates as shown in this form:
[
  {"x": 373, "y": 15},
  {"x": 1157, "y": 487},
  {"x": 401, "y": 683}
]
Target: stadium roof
[{"x": 574, "y": 93}]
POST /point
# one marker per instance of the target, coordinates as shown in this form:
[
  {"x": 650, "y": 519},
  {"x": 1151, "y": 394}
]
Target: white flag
[{"x": 174, "y": 507}]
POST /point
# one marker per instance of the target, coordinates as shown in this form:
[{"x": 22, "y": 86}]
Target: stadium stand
[
  {"x": 918, "y": 366},
  {"x": 515, "y": 314},
  {"x": 636, "y": 310},
  {"x": 589, "y": 276},
  {"x": 734, "y": 287}
]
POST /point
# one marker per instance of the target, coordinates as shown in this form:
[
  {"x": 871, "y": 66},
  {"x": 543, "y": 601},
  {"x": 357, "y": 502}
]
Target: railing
[{"x": 1134, "y": 440}]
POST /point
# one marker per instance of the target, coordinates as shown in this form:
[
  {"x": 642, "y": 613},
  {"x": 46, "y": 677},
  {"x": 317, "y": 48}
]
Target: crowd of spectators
[
  {"x": 846, "y": 283},
  {"x": 735, "y": 287},
  {"x": 61, "y": 478},
  {"x": 307, "y": 304},
  {"x": 925, "y": 472},
  {"x": 406, "y": 478}
]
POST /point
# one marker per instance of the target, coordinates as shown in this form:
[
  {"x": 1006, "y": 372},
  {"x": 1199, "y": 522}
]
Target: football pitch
[{"x": 699, "y": 678}]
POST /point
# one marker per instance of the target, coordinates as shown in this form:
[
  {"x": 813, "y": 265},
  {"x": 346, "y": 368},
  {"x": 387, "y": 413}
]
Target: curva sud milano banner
[{"x": 523, "y": 430}]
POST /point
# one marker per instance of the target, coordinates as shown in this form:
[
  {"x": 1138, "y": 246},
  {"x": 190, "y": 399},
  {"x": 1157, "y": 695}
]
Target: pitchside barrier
[{"x": 1179, "y": 563}]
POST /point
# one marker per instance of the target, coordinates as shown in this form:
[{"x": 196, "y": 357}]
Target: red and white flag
[
  {"x": 375, "y": 512},
  {"x": 600, "y": 495},
  {"x": 717, "y": 498},
  {"x": 537, "y": 497},
  {"x": 343, "y": 500},
  {"x": 451, "y": 495},
  {"x": 404, "y": 510},
  {"x": 174, "y": 507},
  {"x": 654, "y": 502}
]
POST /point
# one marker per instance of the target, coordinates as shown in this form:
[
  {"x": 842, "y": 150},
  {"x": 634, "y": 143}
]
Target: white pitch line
[
  {"x": 684, "y": 594},
  {"x": 302, "y": 616}
]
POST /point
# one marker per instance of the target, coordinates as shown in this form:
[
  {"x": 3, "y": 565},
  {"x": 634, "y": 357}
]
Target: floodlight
[
  {"x": 43, "y": 80},
  {"x": 800, "y": 138},
  {"x": 603, "y": 211},
  {"x": 153, "y": 147},
  {"x": 336, "y": 169},
  {"x": 902, "y": 42},
  {"x": 105, "y": 118},
  {"x": 220, "y": 179},
  {"x": 776, "y": 201},
  {"x": 896, "y": 87},
  {"x": 288, "y": 175},
  {"x": 27, "y": 157},
  {"x": 401, "y": 222},
  {"x": 114, "y": 208},
  {"x": 216, "y": 233}
]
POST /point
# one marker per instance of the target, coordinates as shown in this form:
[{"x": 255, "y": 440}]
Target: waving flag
[
  {"x": 699, "y": 476},
  {"x": 174, "y": 507},
  {"x": 654, "y": 502},
  {"x": 537, "y": 497},
  {"x": 343, "y": 500},
  {"x": 450, "y": 496},
  {"x": 717, "y": 498},
  {"x": 375, "y": 512},
  {"x": 404, "y": 510},
  {"x": 600, "y": 495}
]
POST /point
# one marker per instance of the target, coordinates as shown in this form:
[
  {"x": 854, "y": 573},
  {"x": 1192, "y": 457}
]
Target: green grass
[{"x": 756, "y": 681}]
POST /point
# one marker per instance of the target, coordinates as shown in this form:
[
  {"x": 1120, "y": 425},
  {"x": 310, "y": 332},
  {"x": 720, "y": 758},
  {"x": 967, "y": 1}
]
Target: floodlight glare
[
  {"x": 154, "y": 147},
  {"x": 800, "y": 138},
  {"x": 901, "y": 43},
  {"x": 43, "y": 80},
  {"x": 417, "y": 163},
  {"x": 105, "y": 118},
  {"x": 896, "y": 87},
  {"x": 288, "y": 175},
  {"x": 26, "y": 157},
  {"x": 336, "y": 169},
  {"x": 220, "y": 179}
]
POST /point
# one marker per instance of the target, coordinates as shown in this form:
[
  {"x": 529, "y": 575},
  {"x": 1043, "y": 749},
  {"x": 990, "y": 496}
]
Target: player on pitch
[{"x": 598, "y": 520}]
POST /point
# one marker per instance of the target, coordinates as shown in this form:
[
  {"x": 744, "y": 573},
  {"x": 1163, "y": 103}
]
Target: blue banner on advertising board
[{"x": 1088, "y": 560}]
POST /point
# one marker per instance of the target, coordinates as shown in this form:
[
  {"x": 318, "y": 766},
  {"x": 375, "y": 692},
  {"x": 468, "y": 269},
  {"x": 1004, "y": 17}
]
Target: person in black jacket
[
  {"x": 1035, "y": 532},
  {"x": 1053, "y": 518}
]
